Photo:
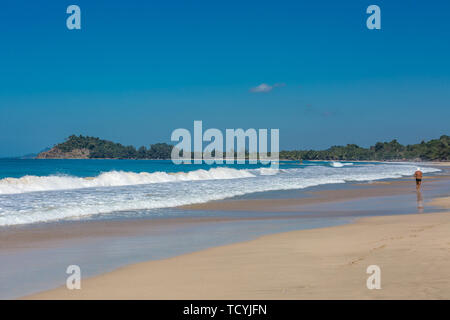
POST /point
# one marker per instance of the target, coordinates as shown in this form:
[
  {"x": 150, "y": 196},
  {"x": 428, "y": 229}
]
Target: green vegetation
[
  {"x": 437, "y": 149},
  {"x": 99, "y": 149}
]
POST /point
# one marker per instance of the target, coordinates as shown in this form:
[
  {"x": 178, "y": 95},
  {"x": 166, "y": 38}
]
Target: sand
[{"x": 412, "y": 251}]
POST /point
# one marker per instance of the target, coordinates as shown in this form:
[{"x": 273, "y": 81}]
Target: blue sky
[{"x": 137, "y": 70}]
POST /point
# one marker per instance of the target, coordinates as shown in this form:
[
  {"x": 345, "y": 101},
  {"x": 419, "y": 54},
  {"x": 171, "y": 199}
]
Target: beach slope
[{"x": 412, "y": 251}]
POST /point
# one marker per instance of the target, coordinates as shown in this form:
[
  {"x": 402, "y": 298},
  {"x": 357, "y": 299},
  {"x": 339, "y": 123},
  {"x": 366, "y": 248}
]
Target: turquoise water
[{"x": 17, "y": 168}]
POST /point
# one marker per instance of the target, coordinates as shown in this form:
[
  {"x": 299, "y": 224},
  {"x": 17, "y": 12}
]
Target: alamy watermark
[
  {"x": 239, "y": 146},
  {"x": 73, "y": 281},
  {"x": 373, "y": 22},
  {"x": 374, "y": 280},
  {"x": 73, "y": 22}
]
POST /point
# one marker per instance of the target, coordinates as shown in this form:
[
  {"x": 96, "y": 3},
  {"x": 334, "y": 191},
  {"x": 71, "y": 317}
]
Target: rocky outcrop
[{"x": 56, "y": 153}]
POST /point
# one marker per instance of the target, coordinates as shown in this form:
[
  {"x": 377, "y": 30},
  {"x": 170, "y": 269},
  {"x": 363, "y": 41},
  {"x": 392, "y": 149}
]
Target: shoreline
[
  {"x": 354, "y": 190},
  {"x": 18, "y": 236}
]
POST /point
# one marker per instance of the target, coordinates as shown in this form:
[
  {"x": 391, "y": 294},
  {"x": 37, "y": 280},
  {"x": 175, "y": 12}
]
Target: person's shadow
[{"x": 419, "y": 201}]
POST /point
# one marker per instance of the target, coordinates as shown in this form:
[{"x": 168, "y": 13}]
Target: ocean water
[{"x": 33, "y": 191}]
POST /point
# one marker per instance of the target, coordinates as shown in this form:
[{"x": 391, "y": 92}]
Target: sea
[{"x": 43, "y": 190}]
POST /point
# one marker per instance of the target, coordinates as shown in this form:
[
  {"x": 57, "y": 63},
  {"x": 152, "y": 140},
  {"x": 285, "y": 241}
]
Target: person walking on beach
[{"x": 418, "y": 175}]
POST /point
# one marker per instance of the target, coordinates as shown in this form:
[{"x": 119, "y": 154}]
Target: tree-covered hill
[{"x": 83, "y": 147}]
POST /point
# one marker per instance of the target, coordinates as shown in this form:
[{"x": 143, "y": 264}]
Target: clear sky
[{"x": 137, "y": 70}]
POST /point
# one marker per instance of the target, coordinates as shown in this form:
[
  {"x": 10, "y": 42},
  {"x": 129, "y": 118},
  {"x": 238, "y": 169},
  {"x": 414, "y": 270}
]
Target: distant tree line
[{"x": 437, "y": 149}]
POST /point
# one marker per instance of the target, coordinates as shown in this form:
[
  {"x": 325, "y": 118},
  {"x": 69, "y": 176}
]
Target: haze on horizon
[{"x": 137, "y": 71}]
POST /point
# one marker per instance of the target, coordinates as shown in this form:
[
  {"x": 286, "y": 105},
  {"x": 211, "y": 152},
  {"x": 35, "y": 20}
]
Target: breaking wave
[
  {"x": 337, "y": 164},
  {"x": 113, "y": 179}
]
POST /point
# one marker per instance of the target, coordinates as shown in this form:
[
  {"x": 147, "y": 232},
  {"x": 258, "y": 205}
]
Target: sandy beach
[
  {"x": 185, "y": 151},
  {"x": 412, "y": 252}
]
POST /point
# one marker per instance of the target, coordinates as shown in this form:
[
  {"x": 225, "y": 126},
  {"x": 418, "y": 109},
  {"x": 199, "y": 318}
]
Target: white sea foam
[
  {"x": 337, "y": 164},
  {"x": 113, "y": 179},
  {"x": 139, "y": 193}
]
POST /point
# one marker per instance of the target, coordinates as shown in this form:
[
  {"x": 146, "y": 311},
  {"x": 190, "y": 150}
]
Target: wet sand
[
  {"x": 441, "y": 202},
  {"x": 412, "y": 251}
]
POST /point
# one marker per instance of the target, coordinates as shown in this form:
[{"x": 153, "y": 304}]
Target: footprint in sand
[{"x": 370, "y": 251}]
